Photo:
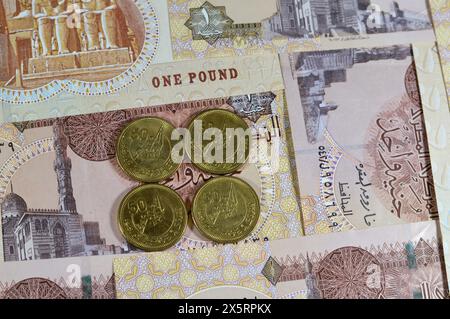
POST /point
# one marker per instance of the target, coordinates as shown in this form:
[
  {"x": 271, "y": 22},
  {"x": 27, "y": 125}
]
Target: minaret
[{"x": 63, "y": 166}]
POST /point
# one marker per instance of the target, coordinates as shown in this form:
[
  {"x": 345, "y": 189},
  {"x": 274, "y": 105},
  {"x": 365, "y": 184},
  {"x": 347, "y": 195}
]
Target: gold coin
[
  {"x": 152, "y": 217},
  {"x": 225, "y": 148},
  {"x": 226, "y": 210},
  {"x": 144, "y": 150}
]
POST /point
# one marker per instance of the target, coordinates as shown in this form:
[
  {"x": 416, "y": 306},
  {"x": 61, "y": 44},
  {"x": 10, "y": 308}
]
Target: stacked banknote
[{"x": 348, "y": 114}]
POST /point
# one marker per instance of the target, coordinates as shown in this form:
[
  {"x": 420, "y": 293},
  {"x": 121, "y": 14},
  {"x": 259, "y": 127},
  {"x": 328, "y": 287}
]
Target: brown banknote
[
  {"x": 360, "y": 138},
  {"x": 394, "y": 262},
  {"x": 71, "y": 278}
]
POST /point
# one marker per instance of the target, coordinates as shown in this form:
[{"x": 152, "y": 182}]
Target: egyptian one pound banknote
[
  {"x": 360, "y": 138},
  {"x": 61, "y": 185},
  {"x": 395, "y": 262},
  {"x": 50, "y": 59}
]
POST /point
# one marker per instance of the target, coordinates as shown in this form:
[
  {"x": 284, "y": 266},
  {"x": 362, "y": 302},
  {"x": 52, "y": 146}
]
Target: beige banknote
[
  {"x": 53, "y": 62},
  {"x": 437, "y": 119},
  {"x": 71, "y": 58},
  {"x": 395, "y": 262},
  {"x": 360, "y": 138},
  {"x": 202, "y": 28},
  {"x": 61, "y": 186},
  {"x": 71, "y": 278}
]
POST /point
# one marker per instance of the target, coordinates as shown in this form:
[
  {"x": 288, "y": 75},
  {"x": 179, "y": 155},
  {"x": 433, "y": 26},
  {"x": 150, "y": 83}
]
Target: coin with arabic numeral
[
  {"x": 226, "y": 210},
  {"x": 220, "y": 142},
  {"x": 152, "y": 217},
  {"x": 144, "y": 150}
]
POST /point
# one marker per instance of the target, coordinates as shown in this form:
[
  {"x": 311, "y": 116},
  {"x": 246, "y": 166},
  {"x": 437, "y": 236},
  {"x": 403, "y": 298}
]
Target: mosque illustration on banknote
[
  {"x": 30, "y": 234},
  {"x": 337, "y": 18}
]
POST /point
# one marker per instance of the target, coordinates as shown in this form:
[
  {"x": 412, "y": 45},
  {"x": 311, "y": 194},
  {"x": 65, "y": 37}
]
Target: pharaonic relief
[{"x": 84, "y": 41}]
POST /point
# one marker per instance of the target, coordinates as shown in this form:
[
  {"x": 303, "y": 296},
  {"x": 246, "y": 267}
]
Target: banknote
[
  {"x": 437, "y": 118},
  {"x": 217, "y": 27},
  {"x": 52, "y": 61},
  {"x": 71, "y": 278},
  {"x": 61, "y": 186},
  {"x": 441, "y": 18},
  {"x": 360, "y": 138},
  {"x": 50, "y": 69},
  {"x": 394, "y": 262}
]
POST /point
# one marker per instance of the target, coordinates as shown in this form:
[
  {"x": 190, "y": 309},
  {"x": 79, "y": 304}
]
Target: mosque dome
[{"x": 13, "y": 204}]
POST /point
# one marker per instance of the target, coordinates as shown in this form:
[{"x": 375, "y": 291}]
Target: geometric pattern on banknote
[
  {"x": 109, "y": 288},
  {"x": 101, "y": 287},
  {"x": 319, "y": 219},
  {"x": 315, "y": 220},
  {"x": 94, "y": 136},
  {"x": 399, "y": 163},
  {"x": 208, "y": 22},
  {"x": 181, "y": 274},
  {"x": 277, "y": 221},
  {"x": 272, "y": 271},
  {"x": 35, "y": 288},
  {"x": 94, "y": 287},
  {"x": 350, "y": 273},
  {"x": 400, "y": 270},
  {"x": 97, "y": 65},
  {"x": 252, "y": 106}
]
